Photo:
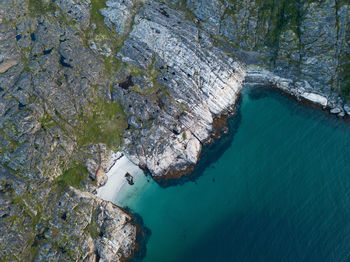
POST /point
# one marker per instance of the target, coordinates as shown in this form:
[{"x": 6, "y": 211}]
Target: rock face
[
  {"x": 174, "y": 119},
  {"x": 302, "y": 49},
  {"x": 68, "y": 226},
  {"x": 51, "y": 86},
  {"x": 304, "y": 39},
  {"x": 80, "y": 78}
]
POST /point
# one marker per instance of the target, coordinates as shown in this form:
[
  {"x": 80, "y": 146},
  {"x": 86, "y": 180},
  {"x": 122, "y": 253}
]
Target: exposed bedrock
[
  {"x": 194, "y": 83},
  {"x": 81, "y": 78},
  {"x": 193, "y": 49}
]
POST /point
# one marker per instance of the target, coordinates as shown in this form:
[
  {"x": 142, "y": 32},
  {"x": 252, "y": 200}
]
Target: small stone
[
  {"x": 315, "y": 98},
  {"x": 336, "y": 110},
  {"x": 129, "y": 178},
  {"x": 347, "y": 109},
  {"x": 341, "y": 114}
]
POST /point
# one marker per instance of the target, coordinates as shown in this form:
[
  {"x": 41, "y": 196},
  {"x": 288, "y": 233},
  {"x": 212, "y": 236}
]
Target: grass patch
[
  {"x": 112, "y": 64},
  {"x": 102, "y": 34},
  {"x": 157, "y": 90},
  {"x": 34, "y": 251},
  {"x": 98, "y": 19},
  {"x": 105, "y": 124},
  {"x": 73, "y": 176},
  {"x": 47, "y": 122},
  {"x": 345, "y": 77},
  {"x": 345, "y": 87},
  {"x": 37, "y": 7},
  {"x": 92, "y": 228}
]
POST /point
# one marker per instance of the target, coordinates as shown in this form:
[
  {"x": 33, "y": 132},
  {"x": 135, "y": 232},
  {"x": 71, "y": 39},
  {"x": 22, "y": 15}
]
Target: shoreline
[
  {"x": 114, "y": 191},
  {"x": 221, "y": 130},
  {"x": 120, "y": 166},
  {"x": 221, "y": 137},
  {"x": 221, "y": 127}
]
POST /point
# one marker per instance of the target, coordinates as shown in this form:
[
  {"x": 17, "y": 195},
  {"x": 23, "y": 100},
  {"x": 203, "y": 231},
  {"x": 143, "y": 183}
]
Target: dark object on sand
[{"x": 129, "y": 178}]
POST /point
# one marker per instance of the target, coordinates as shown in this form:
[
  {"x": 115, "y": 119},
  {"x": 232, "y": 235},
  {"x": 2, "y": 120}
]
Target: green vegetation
[
  {"x": 6, "y": 186},
  {"x": 92, "y": 228},
  {"x": 39, "y": 7},
  {"x": 36, "y": 219},
  {"x": 104, "y": 125},
  {"x": 34, "y": 251},
  {"x": 104, "y": 35},
  {"x": 345, "y": 78},
  {"x": 280, "y": 15},
  {"x": 47, "y": 122},
  {"x": 188, "y": 13},
  {"x": 157, "y": 90},
  {"x": 98, "y": 19},
  {"x": 274, "y": 17},
  {"x": 73, "y": 176}
]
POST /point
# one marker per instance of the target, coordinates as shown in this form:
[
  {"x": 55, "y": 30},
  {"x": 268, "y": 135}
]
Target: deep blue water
[{"x": 277, "y": 188}]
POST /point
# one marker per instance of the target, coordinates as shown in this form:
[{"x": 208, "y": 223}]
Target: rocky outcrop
[
  {"x": 317, "y": 99},
  {"x": 299, "y": 89},
  {"x": 51, "y": 86},
  {"x": 80, "y": 78},
  {"x": 191, "y": 82},
  {"x": 296, "y": 51},
  {"x": 61, "y": 224},
  {"x": 304, "y": 40}
]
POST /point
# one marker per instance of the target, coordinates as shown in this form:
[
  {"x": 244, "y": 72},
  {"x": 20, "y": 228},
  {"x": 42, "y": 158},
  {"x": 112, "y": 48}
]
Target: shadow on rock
[
  {"x": 142, "y": 237},
  {"x": 211, "y": 153}
]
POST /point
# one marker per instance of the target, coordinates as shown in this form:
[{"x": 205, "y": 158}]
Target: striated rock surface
[
  {"x": 171, "y": 46},
  {"x": 295, "y": 39},
  {"x": 190, "y": 83},
  {"x": 80, "y": 79}
]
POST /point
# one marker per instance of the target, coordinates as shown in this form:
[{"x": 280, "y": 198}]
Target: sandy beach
[{"x": 116, "y": 178}]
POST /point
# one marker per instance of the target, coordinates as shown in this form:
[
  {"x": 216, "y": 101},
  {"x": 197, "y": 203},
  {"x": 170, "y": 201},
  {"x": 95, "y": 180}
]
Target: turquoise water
[{"x": 276, "y": 189}]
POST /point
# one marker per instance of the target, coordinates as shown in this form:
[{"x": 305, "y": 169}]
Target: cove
[{"x": 277, "y": 188}]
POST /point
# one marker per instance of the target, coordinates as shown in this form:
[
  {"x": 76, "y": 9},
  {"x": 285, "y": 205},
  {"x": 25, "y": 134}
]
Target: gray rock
[
  {"x": 336, "y": 110},
  {"x": 341, "y": 114},
  {"x": 174, "y": 66},
  {"x": 48, "y": 84},
  {"x": 214, "y": 85},
  {"x": 347, "y": 108}
]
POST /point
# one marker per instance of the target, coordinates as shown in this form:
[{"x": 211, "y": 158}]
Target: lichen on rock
[{"x": 82, "y": 78}]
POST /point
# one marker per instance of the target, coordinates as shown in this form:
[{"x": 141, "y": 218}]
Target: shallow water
[{"x": 276, "y": 189}]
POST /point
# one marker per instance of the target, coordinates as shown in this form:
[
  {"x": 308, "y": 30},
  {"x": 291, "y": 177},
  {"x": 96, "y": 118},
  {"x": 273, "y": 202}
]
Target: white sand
[{"x": 116, "y": 179}]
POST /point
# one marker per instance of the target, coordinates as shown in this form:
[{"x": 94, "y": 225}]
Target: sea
[{"x": 276, "y": 188}]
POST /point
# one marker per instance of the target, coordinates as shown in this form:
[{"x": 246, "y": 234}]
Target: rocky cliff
[
  {"x": 82, "y": 78},
  {"x": 300, "y": 47},
  {"x": 55, "y": 107}
]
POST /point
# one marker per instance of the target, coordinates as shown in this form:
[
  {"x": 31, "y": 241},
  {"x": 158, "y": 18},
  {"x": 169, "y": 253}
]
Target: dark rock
[
  {"x": 129, "y": 178},
  {"x": 180, "y": 65},
  {"x": 127, "y": 83}
]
